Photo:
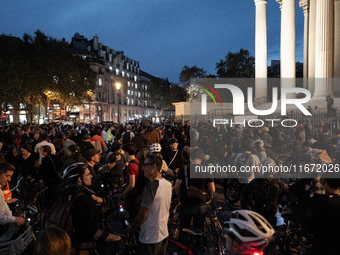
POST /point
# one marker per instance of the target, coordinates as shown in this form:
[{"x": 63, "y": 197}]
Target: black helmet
[
  {"x": 74, "y": 148},
  {"x": 74, "y": 171},
  {"x": 117, "y": 146},
  {"x": 297, "y": 213},
  {"x": 173, "y": 140}
]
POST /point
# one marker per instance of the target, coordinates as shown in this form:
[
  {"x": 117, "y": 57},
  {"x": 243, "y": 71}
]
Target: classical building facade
[
  {"x": 121, "y": 92},
  {"x": 321, "y": 46}
]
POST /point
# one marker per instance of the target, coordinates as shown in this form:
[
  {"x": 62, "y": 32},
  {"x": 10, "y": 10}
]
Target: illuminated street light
[{"x": 118, "y": 85}]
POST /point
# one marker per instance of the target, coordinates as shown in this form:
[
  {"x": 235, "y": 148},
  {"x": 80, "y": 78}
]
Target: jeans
[{"x": 197, "y": 214}]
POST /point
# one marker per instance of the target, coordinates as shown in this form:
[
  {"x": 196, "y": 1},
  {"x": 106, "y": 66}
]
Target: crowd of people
[{"x": 67, "y": 159}]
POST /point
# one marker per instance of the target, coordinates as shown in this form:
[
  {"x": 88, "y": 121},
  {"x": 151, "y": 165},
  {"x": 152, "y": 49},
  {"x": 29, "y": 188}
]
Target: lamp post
[
  {"x": 89, "y": 93},
  {"x": 118, "y": 85}
]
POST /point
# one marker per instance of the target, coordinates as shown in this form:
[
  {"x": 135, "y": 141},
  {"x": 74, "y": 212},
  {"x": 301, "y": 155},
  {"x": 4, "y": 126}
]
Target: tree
[
  {"x": 236, "y": 65},
  {"x": 42, "y": 68},
  {"x": 160, "y": 93},
  {"x": 178, "y": 93},
  {"x": 190, "y": 72}
]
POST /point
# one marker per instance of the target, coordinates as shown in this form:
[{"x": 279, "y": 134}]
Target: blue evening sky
[{"x": 162, "y": 35}]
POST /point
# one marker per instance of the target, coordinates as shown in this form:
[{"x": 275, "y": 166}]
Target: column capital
[
  {"x": 304, "y": 4},
  {"x": 260, "y": 1},
  {"x": 280, "y": 3}
]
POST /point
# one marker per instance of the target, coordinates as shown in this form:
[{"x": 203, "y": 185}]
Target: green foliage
[
  {"x": 190, "y": 72},
  {"x": 34, "y": 66},
  {"x": 164, "y": 93},
  {"x": 236, "y": 65}
]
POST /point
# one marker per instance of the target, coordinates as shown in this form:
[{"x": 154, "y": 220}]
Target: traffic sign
[{"x": 4, "y": 116}]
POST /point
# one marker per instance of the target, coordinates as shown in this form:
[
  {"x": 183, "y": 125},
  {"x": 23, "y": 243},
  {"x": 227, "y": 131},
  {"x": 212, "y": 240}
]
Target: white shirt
[
  {"x": 156, "y": 197},
  {"x": 5, "y": 213},
  {"x": 38, "y": 149}
]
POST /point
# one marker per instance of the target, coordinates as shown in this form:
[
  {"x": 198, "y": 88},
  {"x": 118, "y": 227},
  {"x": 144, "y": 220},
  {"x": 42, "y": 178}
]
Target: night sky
[{"x": 162, "y": 35}]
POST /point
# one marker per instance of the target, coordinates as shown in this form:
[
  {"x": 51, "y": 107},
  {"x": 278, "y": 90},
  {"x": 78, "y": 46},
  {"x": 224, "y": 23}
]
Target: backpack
[
  {"x": 245, "y": 159},
  {"x": 126, "y": 137},
  {"x": 141, "y": 180},
  {"x": 265, "y": 197},
  {"x": 193, "y": 194},
  {"x": 97, "y": 145},
  {"x": 61, "y": 215}
]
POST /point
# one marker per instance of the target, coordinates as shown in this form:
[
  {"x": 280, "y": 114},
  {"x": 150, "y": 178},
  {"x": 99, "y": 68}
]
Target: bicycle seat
[{"x": 194, "y": 232}]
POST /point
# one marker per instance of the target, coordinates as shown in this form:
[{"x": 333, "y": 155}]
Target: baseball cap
[{"x": 90, "y": 153}]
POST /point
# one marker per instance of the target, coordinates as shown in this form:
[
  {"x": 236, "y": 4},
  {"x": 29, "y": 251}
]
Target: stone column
[
  {"x": 311, "y": 45},
  {"x": 324, "y": 48},
  {"x": 305, "y": 6},
  {"x": 288, "y": 57},
  {"x": 336, "y": 39},
  {"x": 288, "y": 48},
  {"x": 261, "y": 48}
]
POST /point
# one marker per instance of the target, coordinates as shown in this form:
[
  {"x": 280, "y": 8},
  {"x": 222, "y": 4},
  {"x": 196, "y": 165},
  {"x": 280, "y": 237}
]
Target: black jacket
[{"x": 84, "y": 216}]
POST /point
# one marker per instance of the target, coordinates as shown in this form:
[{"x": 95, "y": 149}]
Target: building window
[
  {"x": 128, "y": 92},
  {"x": 138, "y": 94},
  {"x": 117, "y": 71},
  {"x": 146, "y": 88},
  {"x": 127, "y": 66},
  {"x": 135, "y": 93},
  {"x": 128, "y": 75},
  {"x": 100, "y": 81},
  {"x": 128, "y": 84},
  {"x": 131, "y": 101},
  {"x": 128, "y": 101},
  {"x": 136, "y": 86},
  {"x": 110, "y": 67},
  {"x": 135, "y": 78},
  {"x": 123, "y": 73}
]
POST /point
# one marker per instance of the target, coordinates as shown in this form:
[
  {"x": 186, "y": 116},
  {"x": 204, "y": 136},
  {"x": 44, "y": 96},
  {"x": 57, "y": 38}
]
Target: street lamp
[
  {"x": 89, "y": 93},
  {"x": 118, "y": 85}
]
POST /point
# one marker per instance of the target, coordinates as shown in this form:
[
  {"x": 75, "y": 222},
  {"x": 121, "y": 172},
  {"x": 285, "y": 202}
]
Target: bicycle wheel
[
  {"x": 232, "y": 192},
  {"x": 115, "y": 222}
]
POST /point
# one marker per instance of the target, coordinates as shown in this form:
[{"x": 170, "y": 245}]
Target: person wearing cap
[
  {"x": 173, "y": 156},
  {"x": 92, "y": 157},
  {"x": 87, "y": 227}
]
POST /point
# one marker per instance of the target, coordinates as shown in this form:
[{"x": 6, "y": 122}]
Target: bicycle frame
[{"x": 182, "y": 246}]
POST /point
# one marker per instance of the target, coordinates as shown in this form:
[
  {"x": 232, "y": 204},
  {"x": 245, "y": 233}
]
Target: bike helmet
[
  {"x": 155, "y": 147},
  {"x": 74, "y": 148},
  {"x": 315, "y": 152},
  {"x": 74, "y": 171},
  {"x": 249, "y": 229},
  {"x": 173, "y": 140},
  {"x": 258, "y": 143}
]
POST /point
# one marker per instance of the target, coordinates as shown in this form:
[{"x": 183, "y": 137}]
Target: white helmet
[
  {"x": 250, "y": 229},
  {"x": 258, "y": 143},
  {"x": 155, "y": 147}
]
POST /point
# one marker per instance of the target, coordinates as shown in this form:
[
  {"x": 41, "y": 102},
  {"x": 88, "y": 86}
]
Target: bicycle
[
  {"x": 232, "y": 190},
  {"x": 188, "y": 248},
  {"x": 117, "y": 221},
  {"x": 214, "y": 230}
]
